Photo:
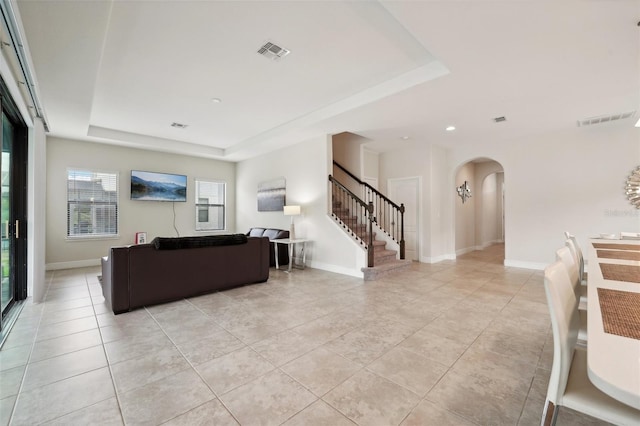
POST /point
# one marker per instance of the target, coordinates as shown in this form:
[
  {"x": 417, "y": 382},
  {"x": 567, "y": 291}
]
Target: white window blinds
[
  {"x": 210, "y": 205},
  {"x": 92, "y": 203}
]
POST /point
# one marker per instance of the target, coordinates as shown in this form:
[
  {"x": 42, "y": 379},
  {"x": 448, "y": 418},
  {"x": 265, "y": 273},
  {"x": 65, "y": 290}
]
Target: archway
[{"x": 479, "y": 220}]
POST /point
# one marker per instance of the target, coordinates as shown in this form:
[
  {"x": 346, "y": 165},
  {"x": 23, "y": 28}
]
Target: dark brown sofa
[
  {"x": 273, "y": 234},
  {"x": 142, "y": 275}
]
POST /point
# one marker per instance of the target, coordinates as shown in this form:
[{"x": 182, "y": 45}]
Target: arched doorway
[{"x": 479, "y": 220}]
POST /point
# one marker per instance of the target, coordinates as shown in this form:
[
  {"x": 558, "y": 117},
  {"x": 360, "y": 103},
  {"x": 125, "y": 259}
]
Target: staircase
[{"x": 385, "y": 261}]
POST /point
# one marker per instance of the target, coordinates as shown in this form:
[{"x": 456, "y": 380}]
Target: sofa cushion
[
  {"x": 273, "y": 234},
  {"x": 256, "y": 232},
  {"x": 169, "y": 243}
]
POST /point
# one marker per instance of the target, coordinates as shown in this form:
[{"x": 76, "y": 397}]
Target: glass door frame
[{"x": 17, "y": 229}]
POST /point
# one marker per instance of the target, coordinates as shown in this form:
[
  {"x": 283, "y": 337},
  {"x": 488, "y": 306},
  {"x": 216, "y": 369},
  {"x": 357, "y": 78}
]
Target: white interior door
[{"x": 406, "y": 191}]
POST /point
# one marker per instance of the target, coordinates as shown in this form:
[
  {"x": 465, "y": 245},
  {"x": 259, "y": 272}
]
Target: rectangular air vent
[
  {"x": 500, "y": 119},
  {"x": 605, "y": 118},
  {"x": 179, "y": 125},
  {"x": 273, "y": 51}
]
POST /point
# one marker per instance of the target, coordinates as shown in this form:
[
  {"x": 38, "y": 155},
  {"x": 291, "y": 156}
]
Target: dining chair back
[
  {"x": 563, "y": 254},
  {"x": 563, "y": 308},
  {"x": 572, "y": 243},
  {"x": 569, "y": 385}
]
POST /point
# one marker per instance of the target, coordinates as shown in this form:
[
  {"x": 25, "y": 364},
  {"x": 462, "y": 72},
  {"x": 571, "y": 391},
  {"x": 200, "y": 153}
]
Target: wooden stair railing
[
  {"x": 356, "y": 213},
  {"x": 388, "y": 215}
]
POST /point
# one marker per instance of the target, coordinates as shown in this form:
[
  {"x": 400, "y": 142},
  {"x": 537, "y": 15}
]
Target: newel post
[
  {"x": 370, "y": 252},
  {"x": 401, "y": 231}
]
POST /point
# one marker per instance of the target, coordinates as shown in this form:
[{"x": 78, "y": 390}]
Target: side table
[{"x": 290, "y": 246}]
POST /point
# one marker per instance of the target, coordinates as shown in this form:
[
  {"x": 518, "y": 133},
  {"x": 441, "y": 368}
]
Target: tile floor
[{"x": 465, "y": 342}]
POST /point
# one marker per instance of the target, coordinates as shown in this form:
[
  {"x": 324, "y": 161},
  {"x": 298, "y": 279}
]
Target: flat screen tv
[{"x": 152, "y": 186}]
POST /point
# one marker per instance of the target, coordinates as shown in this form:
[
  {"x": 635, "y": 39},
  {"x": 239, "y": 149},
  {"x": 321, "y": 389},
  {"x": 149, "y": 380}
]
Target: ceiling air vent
[
  {"x": 500, "y": 119},
  {"x": 179, "y": 125},
  {"x": 273, "y": 51},
  {"x": 605, "y": 118}
]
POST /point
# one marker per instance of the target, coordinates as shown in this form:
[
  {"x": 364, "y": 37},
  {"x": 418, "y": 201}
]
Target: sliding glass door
[
  {"x": 6, "y": 252},
  {"x": 13, "y": 208}
]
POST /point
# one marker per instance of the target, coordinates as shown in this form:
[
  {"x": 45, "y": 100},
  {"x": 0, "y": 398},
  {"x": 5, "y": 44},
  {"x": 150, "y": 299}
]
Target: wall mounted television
[{"x": 152, "y": 186}]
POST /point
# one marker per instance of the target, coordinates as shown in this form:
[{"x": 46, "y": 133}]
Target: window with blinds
[
  {"x": 210, "y": 205},
  {"x": 92, "y": 204}
]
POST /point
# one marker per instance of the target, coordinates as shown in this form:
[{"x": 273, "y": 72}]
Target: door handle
[
  {"x": 6, "y": 229},
  {"x": 17, "y": 229}
]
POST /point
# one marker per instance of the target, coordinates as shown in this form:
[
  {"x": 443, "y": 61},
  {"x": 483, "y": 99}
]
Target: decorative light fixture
[
  {"x": 464, "y": 191},
  {"x": 632, "y": 189},
  {"x": 291, "y": 211}
]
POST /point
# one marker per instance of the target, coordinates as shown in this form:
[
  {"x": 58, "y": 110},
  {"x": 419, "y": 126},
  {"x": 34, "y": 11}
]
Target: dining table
[{"x": 613, "y": 318}]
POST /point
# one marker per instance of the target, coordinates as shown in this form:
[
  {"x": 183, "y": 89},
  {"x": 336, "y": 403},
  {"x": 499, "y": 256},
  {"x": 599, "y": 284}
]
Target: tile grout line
[
  {"x": 33, "y": 343},
  {"x": 192, "y": 367}
]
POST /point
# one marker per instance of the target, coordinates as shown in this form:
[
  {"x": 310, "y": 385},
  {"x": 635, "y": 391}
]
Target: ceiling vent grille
[
  {"x": 273, "y": 51},
  {"x": 500, "y": 119},
  {"x": 605, "y": 118},
  {"x": 179, "y": 125}
]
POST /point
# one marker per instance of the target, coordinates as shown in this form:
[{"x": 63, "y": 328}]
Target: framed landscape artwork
[{"x": 271, "y": 195}]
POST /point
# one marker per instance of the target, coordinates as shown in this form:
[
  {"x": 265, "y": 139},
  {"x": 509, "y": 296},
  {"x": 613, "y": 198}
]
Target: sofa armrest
[{"x": 115, "y": 279}]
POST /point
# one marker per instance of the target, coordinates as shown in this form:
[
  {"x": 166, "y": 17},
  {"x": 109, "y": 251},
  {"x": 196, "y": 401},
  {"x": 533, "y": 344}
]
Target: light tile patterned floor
[{"x": 465, "y": 342}]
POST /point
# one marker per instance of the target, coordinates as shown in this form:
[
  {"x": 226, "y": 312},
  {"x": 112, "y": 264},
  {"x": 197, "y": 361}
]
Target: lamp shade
[{"x": 291, "y": 210}]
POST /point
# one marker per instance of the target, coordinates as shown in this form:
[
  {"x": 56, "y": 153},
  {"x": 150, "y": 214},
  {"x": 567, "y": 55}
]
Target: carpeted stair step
[
  {"x": 381, "y": 255},
  {"x": 376, "y": 272}
]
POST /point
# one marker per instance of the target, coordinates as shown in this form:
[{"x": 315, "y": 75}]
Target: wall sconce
[
  {"x": 291, "y": 211},
  {"x": 464, "y": 191}
]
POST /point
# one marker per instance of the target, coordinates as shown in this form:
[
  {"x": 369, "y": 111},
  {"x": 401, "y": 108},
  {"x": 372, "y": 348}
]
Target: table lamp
[{"x": 291, "y": 211}]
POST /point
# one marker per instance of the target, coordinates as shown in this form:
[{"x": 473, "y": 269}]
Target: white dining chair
[
  {"x": 569, "y": 385},
  {"x": 564, "y": 254},
  {"x": 573, "y": 245}
]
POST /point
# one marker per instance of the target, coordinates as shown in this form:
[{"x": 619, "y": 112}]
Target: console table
[{"x": 290, "y": 246}]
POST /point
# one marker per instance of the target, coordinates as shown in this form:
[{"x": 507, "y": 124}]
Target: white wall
[
  {"x": 489, "y": 177},
  {"x": 487, "y": 220},
  {"x": 465, "y": 213},
  {"x": 370, "y": 165},
  {"x": 347, "y": 152},
  {"x": 435, "y": 222},
  {"x": 571, "y": 180},
  {"x": 36, "y": 232},
  {"x": 305, "y": 167},
  {"x": 154, "y": 217}
]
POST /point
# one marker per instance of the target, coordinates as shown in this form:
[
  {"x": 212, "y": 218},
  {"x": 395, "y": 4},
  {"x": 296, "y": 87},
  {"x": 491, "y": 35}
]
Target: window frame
[
  {"x": 69, "y": 236},
  {"x": 198, "y": 206}
]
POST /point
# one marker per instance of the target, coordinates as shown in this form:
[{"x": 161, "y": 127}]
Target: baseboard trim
[
  {"x": 467, "y": 250},
  {"x": 525, "y": 265},
  {"x": 437, "y": 259},
  {"x": 336, "y": 269},
  {"x": 71, "y": 265}
]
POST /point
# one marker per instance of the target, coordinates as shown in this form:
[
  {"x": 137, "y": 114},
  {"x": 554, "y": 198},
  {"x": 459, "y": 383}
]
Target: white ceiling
[{"x": 121, "y": 72}]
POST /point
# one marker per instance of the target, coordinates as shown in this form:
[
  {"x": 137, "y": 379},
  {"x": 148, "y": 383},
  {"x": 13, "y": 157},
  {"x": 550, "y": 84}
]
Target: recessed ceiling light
[
  {"x": 216, "y": 100},
  {"x": 638, "y": 123},
  {"x": 450, "y": 128},
  {"x": 404, "y": 138}
]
